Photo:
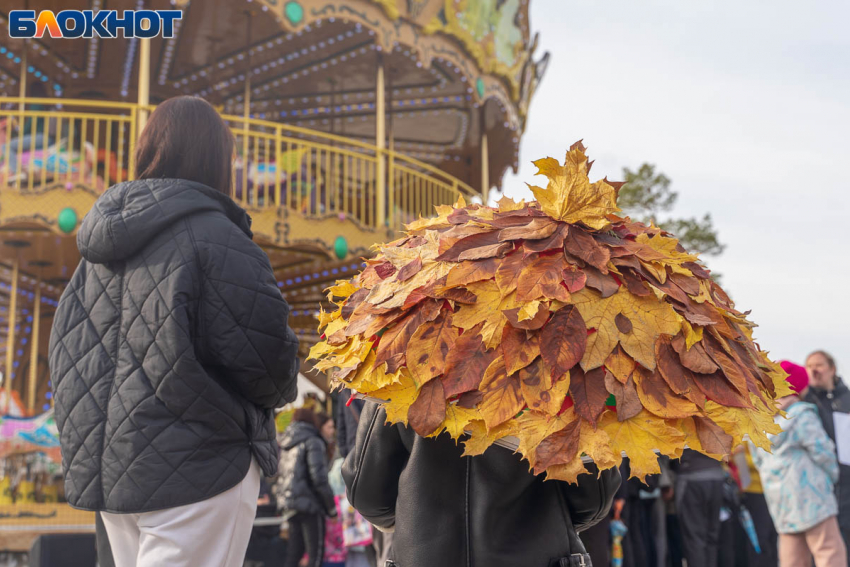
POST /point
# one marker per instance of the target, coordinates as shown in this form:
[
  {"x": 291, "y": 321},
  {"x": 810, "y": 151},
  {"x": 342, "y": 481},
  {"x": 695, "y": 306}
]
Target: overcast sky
[{"x": 745, "y": 105}]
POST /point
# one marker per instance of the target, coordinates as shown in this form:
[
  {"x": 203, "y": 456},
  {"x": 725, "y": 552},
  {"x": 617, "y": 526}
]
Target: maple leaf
[
  {"x": 594, "y": 443},
  {"x": 508, "y": 272},
  {"x": 429, "y": 410},
  {"x": 649, "y": 318},
  {"x": 519, "y": 348},
  {"x": 539, "y": 391},
  {"x": 563, "y": 340},
  {"x": 399, "y": 397},
  {"x": 466, "y": 364},
  {"x": 457, "y": 420},
  {"x": 541, "y": 278},
  {"x": 570, "y": 197},
  {"x": 394, "y": 341},
  {"x": 640, "y": 437},
  {"x": 738, "y": 422},
  {"x": 473, "y": 271},
  {"x": 502, "y": 396},
  {"x": 429, "y": 346},
  {"x": 582, "y": 245},
  {"x": 588, "y": 392},
  {"x": 506, "y": 204},
  {"x": 480, "y": 437}
]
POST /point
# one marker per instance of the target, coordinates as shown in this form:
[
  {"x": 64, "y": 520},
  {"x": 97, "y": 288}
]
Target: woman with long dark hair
[{"x": 169, "y": 350}]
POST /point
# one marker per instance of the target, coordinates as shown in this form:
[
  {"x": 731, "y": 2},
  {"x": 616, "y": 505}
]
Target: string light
[{"x": 91, "y": 68}]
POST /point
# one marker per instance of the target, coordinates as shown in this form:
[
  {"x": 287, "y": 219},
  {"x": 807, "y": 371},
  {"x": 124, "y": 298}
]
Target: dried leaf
[
  {"x": 738, "y": 422},
  {"x": 626, "y": 396},
  {"x": 680, "y": 379},
  {"x": 466, "y": 364},
  {"x": 541, "y": 278},
  {"x": 712, "y": 438},
  {"x": 620, "y": 364},
  {"x": 502, "y": 397},
  {"x": 604, "y": 284},
  {"x": 480, "y": 438},
  {"x": 570, "y": 197},
  {"x": 649, "y": 318},
  {"x": 558, "y": 449},
  {"x": 657, "y": 397},
  {"x": 574, "y": 279},
  {"x": 429, "y": 410},
  {"x": 695, "y": 358},
  {"x": 537, "y": 321},
  {"x": 539, "y": 391},
  {"x": 507, "y": 275},
  {"x": 394, "y": 341},
  {"x": 519, "y": 348},
  {"x": 399, "y": 397},
  {"x": 554, "y": 241},
  {"x": 541, "y": 227},
  {"x": 582, "y": 245},
  {"x": 458, "y": 419},
  {"x": 563, "y": 341},
  {"x": 473, "y": 271},
  {"x": 639, "y": 437},
  {"x": 588, "y": 392},
  {"x": 429, "y": 347}
]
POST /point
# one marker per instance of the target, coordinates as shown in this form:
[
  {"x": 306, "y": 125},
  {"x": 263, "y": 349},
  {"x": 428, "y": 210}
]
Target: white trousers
[{"x": 211, "y": 533}]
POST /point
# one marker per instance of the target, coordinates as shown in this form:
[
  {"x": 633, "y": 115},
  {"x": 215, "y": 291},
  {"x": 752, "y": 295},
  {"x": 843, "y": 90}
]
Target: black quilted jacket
[
  {"x": 303, "y": 484},
  {"x": 169, "y": 349},
  {"x": 453, "y": 511}
]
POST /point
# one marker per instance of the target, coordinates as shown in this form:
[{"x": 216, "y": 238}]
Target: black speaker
[{"x": 63, "y": 550}]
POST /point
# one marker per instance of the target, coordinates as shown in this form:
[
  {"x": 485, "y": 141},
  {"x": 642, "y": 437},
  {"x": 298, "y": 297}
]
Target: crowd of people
[{"x": 789, "y": 507}]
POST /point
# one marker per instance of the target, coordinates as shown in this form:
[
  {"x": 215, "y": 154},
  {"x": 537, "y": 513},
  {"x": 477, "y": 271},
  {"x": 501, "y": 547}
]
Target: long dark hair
[{"x": 185, "y": 138}]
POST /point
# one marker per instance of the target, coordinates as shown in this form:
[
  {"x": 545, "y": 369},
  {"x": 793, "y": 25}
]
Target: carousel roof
[{"x": 455, "y": 69}]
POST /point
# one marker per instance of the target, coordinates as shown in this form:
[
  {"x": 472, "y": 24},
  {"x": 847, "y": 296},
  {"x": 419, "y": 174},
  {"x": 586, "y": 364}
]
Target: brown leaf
[
  {"x": 427, "y": 413},
  {"x": 696, "y": 358},
  {"x": 429, "y": 346},
  {"x": 385, "y": 270},
  {"x": 519, "y": 348},
  {"x": 541, "y": 278},
  {"x": 466, "y": 363},
  {"x": 604, "y": 284},
  {"x": 472, "y": 271},
  {"x": 733, "y": 372},
  {"x": 657, "y": 397},
  {"x": 718, "y": 389},
  {"x": 409, "y": 270},
  {"x": 507, "y": 274},
  {"x": 502, "y": 397},
  {"x": 634, "y": 284},
  {"x": 688, "y": 285},
  {"x": 624, "y": 324},
  {"x": 474, "y": 247},
  {"x": 394, "y": 341},
  {"x": 459, "y": 216},
  {"x": 702, "y": 314},
  {"x": 674, "y": 291},
  {"x": 555, "y": 240},
  {"x": 532, "y": 324},
  {"x": 563, "y": 341},
  {"x": 712, "y": 437},
  {"x": 628, "y": 402},
  {"x": 539, "y": 391},
  {"x": 680, "y": 379},
  {"x": 620, "y": 364},
  {"x": 697, "y": 270},
  {"x": 588, "y": 392},
  {"x": 470, "y": 399},
  {"x": 582, "y": 245},
  {"x": 353, "y": 301},
  {"x": 574, "y": 279},
  {"x": 538, "y": 228},
  {"x": 559, "y": 448}
]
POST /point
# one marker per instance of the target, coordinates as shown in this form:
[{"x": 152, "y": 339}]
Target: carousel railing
[{"x": 48, "y": 142}]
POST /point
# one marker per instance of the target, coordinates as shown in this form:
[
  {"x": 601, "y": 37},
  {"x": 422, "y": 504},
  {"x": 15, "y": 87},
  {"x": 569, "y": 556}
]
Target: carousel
[{"x": 351, "y": 119}]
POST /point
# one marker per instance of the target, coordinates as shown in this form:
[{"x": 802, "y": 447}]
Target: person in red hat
[{"x": 798, "y": 477}]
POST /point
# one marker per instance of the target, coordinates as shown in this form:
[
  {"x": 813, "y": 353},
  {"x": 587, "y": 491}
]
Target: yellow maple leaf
[
  {"x": 528, "y": 310},
  {"x": 755, "y": 422},
  {"x": 399, "y": 397},
  {"x": 778, "y": 375},
  {"x": 342, "y": 289},
  {"x": 693, "y": 335},
  {"x": 570, "y": 196},
  {"x": 320, "y": 349},
  {"x": 325, "y": 317},
  {"x": 640, "y": 437},
  {"x": 369, "y": 378},
  {"x": 457, "y": 420},
  {"x": 593, "y": 443},
  {"x": 487, "y": 309},
  {"x": 666, "y": 246},
  {"x": 648, "y": 316},
  {"x": 480, "y": 438},
  {"x": 506, "y": 204},
  {"x": 533, "y": 427}
]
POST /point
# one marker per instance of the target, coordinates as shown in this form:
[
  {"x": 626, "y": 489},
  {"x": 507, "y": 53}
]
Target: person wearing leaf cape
[{"x": 449, "y": 510}]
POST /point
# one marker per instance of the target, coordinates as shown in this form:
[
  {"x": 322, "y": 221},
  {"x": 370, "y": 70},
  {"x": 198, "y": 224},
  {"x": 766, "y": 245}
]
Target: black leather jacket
[{"x": 453, "y": 511}]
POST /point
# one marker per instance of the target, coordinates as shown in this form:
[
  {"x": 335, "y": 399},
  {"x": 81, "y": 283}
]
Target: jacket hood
[
  {"x": 793, "y": 413},
  {"x": 128, "y": 215},
  {"x": 298, "y": 432}
]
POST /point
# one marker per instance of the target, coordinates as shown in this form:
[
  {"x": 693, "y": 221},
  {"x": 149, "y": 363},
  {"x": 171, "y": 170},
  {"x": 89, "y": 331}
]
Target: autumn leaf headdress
[{"x": 556, "y": 323}]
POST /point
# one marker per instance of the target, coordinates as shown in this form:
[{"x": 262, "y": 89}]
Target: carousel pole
[
  {"x": 485, "y": 169},
  {"x": 380, "y": 144},
  {"x": 22, "y": 93},
  {"x": 246, "y": 110},
  {"x": 10, "y": 335},
  {"x": 33, "y": 377},
  {"x": 144, "y": 82}
]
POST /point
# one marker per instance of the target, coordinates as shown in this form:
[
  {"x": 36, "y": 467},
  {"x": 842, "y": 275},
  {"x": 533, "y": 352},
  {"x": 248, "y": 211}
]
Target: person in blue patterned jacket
[{"x": 799, "y": 477}]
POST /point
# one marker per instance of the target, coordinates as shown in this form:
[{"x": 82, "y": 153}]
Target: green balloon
[
  {"x": 341, "y": 247},
  {"x": 67, "y": 220},
  {"x": 479, "y": 86},
  {"x": 294, "y": 12}
]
